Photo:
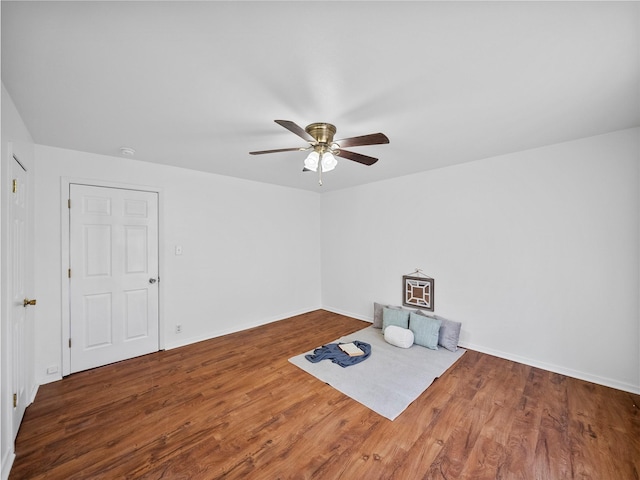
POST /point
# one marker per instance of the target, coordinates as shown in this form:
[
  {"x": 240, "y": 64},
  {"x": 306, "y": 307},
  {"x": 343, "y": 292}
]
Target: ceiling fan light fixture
[
  {"x": 329, "y": 162},
  {"x": 319, "y": 137},
  {"x": 312, "y": 160}
]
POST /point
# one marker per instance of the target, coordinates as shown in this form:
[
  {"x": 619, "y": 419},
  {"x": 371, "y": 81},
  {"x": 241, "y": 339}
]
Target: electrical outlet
[
  {"x": 178, "y": 328},
  {"x": 52, "y": 369}
]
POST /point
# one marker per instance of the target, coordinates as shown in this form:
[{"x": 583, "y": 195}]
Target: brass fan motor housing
[{"x": 322, "y": 132}]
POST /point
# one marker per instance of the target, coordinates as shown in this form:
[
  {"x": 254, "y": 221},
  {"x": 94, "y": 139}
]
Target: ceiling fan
[{"x": 324, "y": 149}]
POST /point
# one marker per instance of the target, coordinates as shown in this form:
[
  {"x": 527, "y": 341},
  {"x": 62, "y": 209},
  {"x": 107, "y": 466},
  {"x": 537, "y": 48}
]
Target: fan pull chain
[{"x": 319, "y": 174}]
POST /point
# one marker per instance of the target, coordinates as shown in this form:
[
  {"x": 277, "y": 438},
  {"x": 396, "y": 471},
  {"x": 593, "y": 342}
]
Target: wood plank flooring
[{"x": 234, "y": 408}]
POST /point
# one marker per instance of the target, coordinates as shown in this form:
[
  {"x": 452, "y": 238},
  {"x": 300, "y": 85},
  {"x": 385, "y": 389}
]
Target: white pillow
[{"x": 398, "y": 336}]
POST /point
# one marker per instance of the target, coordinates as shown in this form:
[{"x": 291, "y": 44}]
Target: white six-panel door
[{"x": 113, "y": 287}]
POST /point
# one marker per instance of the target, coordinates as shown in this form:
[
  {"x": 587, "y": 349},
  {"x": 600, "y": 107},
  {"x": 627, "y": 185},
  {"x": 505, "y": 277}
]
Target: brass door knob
[{"x": 28, "y": 302}]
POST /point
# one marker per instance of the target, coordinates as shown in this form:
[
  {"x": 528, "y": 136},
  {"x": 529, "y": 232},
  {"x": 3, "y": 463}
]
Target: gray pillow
[
  {"x": 449, "y": 331},
  {"x": 425, "y": 330},
  {"x": 395, "y": 316},
  {"x": 377, "y": 313},
  {"x": 449, "y": 334}
]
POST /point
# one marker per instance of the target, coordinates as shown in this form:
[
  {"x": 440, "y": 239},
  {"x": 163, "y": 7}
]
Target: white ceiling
[{"x": 198, "y": 84}]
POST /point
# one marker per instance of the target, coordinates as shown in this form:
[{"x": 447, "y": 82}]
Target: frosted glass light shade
[
  {"x": 311, "y": 162},
  {"x": 329, "y": 162}
]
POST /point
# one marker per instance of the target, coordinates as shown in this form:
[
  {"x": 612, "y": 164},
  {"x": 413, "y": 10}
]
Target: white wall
[
  {"x": 250, "y": 249},
  {"x": 15, "y": 137},
  {"x": 536, "y": 253}
]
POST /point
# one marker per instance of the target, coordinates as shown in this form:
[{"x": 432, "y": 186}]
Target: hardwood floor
[{"x": 234, "y": 407}]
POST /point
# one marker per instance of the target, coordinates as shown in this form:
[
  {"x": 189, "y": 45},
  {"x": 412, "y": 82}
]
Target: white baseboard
[
  {"x": 49, "y": 378},
  {"x": 237, "y": 328},
  {"x": 34, "y": 392},
  {"x": 7, "y": 463},
  {"x": 607, "y": 382},
  {"x": 348, "y": 314},
  {"x": 9, "y": 456}
]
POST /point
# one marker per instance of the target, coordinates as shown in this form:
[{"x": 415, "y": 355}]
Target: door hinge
[
  {"x": 69, "y": 343},
  {"x": 15, "y": 400},
  {"x": 69, "y": 273},
  {"x": 14, "y": 187},
  {"x": 68, "y": 203}
]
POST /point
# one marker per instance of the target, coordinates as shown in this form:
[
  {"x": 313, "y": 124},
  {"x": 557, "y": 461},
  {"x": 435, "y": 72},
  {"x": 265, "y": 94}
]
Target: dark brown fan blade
[
  {"x": 293, "y": 127},
  {"x": 357, "y": 157},
  {"x": 278, "y": 150},
  {"x": 372, "y": 139}
]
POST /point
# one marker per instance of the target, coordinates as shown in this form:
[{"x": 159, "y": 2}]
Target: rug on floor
[{"x": 390, "y": 379}]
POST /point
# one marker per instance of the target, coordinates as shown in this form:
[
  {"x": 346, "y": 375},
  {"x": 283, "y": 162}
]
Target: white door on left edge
[
  {"x": 113, "y": 242},
  {"x": 21, "y": 286}
]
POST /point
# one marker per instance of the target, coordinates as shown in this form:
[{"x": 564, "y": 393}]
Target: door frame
[{"x": 65, "y": 183}]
